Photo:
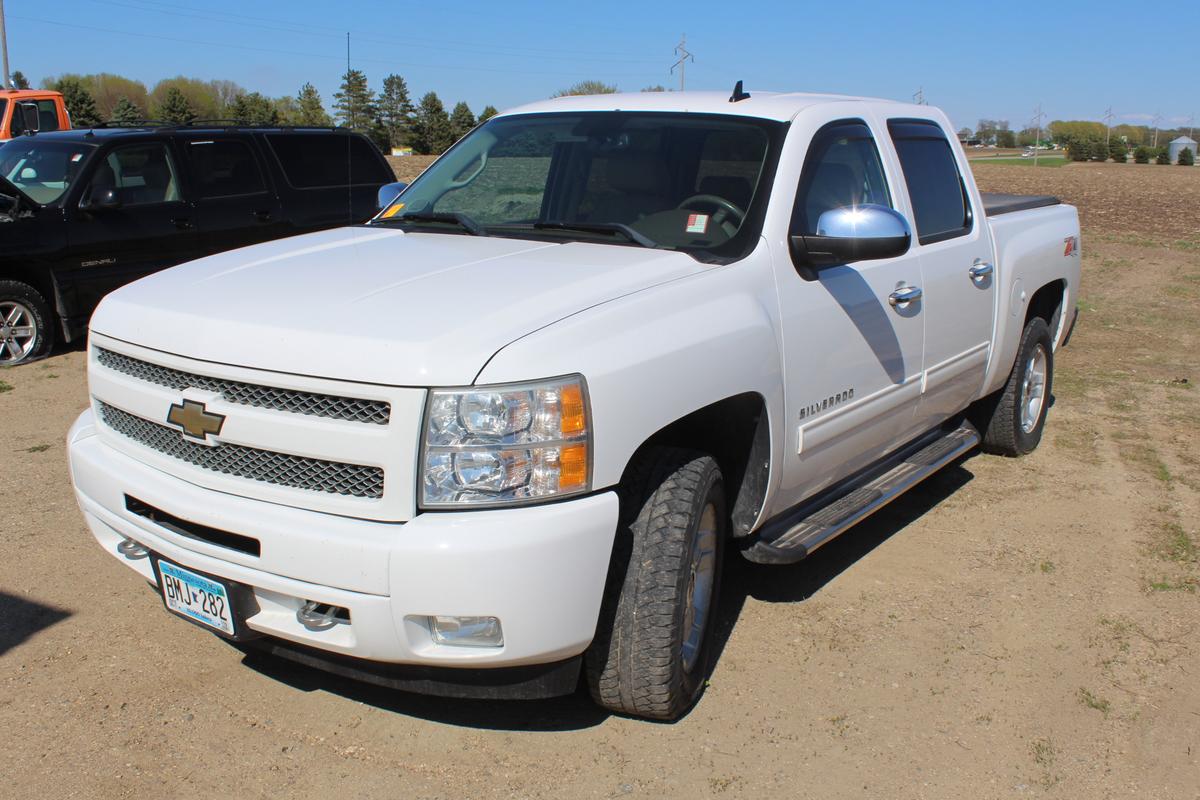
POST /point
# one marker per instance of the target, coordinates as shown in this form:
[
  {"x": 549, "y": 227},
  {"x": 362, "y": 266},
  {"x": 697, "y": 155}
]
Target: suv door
[
  {"x": 151, "y": 227},
  {"x": 235, "y": 205},
  {"x": 955, "y": 249},
  {"x": 852, "y": 358}
]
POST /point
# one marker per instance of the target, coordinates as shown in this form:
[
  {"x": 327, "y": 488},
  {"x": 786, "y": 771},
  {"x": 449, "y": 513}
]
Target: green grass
[
  {"x": 1043, "y": 161},
  {"x": 38, "y": 448},
  {"x": 5, "y": 387},
  {"x": 1094, "y": 701}
]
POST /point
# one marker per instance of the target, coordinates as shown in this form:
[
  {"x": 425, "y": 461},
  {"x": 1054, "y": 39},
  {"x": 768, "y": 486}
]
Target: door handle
[
  {"x": 980, "y": 270},
  {"x": 262, "y": 216},
  {"x": 183, "y": 223},
  {"x": 904, "y": 295}
]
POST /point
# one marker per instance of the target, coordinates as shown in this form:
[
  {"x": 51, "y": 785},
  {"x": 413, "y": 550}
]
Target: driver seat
[{"x": 638, "y": 185}]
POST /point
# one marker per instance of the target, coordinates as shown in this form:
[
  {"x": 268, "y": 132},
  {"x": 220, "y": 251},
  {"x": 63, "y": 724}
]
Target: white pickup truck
[{"x": 504, "y": 434}]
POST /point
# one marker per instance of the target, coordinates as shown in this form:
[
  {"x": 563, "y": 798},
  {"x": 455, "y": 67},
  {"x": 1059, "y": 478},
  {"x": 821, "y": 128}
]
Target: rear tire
[
  {"x": 1018, "y": 416},
  {"x": 653, "y": 644},
  {"x": 26, "y": 332}
]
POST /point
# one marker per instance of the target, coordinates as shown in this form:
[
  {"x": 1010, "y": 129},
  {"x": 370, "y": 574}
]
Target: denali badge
[{"x": 195, "y": 422}]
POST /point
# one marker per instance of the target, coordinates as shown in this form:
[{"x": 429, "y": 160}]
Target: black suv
[{"x": 85, "y": 211}]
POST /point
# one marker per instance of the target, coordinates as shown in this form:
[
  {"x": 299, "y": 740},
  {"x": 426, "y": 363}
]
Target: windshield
[
  {"x": 671, "y": 181},
  {"x": 42, "y": 169}
]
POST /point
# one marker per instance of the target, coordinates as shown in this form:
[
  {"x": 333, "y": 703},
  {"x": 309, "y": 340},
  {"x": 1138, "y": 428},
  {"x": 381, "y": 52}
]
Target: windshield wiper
[
  {"x": 451, "y": 217},
  {"x": 619, "y": 228}
]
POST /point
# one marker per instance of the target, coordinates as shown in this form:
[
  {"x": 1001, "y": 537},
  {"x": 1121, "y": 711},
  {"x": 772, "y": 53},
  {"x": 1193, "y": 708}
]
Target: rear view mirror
[
  {"x": 852, "y": 233},
  {"x": 29, "y": 118},
  {"x": 100, "y": 198},
  {"x": 389, "y": 192}
]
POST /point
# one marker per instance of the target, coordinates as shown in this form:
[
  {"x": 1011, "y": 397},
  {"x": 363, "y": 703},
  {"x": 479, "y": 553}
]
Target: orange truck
[{"x": 23, "y": 110}]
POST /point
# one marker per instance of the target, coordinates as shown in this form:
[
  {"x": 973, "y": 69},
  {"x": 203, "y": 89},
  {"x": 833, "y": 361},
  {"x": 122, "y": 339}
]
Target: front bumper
[{"x": 540, "y": 570}]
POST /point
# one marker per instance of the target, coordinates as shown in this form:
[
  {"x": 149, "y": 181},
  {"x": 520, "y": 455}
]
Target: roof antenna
[{"x": 738, "y": 94}]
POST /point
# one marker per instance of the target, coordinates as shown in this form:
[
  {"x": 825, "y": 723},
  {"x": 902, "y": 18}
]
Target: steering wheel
[{"x": 725, "y": 209}]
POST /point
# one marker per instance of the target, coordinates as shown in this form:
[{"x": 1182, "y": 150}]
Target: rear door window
[
  {"x": 842, "y": 170},
  {"x": 935, "y": 187},
  {"x": 223, "y": 168},
  {"x": 313, "y": 161}
]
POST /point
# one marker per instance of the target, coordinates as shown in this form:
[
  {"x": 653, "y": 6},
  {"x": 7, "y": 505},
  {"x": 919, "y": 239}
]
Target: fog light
[{"x": 467, "y": 631}]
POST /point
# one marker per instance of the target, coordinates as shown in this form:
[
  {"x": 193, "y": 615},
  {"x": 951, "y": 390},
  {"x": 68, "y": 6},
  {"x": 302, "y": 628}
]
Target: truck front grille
[
  {"x": 375, "y": 412},
  {"x": 312, "y": 474}
]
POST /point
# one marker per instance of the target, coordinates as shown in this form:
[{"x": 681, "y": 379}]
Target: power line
[
  {"x": 1108, "y": 115},
  {"x": 684, "y": 57}
]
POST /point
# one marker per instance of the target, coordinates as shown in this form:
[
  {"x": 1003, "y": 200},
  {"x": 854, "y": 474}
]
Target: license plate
[{"x": 196, "y": 597}]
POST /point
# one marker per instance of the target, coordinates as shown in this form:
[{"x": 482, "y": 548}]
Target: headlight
[{"x": 500, "y": 445}]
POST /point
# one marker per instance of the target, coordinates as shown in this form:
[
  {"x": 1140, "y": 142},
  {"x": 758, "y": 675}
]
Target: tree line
[
  {"x": 1065, "y": 132},
  {"x": 389, "y": 118}
]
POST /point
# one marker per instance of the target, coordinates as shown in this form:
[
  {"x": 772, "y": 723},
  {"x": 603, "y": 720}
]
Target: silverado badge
[{"x": 194, "y": 420}]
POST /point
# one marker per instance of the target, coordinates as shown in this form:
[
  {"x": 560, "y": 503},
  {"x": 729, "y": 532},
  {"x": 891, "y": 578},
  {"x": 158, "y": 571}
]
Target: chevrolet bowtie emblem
[{"x": 194, "y": 420}]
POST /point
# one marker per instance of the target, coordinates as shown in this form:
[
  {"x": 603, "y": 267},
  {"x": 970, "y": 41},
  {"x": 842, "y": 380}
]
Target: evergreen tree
[
  {"x": 355, "y": 102},
  {"x": 253, "y": 108},
  {"x": 287, "y": 110},
  {"x": 126, "y": 112},
  {"x": 1116, "y": 150},
  {"x": 80, "y": 104},
  {"x": 1186, "y": 157},
  {"x": 395, "y": 110},
  {"x": 176, "y": 108},
  {"x": 430, "y": 132},
  {"x": 1162, "y": 156},
  {"x": 19, "y": 80},
  {"x": 310, "y": 110},
  {"x": 487, "y": 113},
  {"x": 1141, "y": 154},
  {"x": 461, "y": 121}
]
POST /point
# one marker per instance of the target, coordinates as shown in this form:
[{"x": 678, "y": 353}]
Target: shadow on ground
[
  {"x": 23, "y": 619},
  {"x": 774, "y": 584}
]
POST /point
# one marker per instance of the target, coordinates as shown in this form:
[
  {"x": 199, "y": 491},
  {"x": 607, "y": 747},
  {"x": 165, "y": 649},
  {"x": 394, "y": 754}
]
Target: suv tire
[
  {"x": 26, "y": 332},
  {"x": 1019, "y": 413},
  {"x": 653, "y": 645}
]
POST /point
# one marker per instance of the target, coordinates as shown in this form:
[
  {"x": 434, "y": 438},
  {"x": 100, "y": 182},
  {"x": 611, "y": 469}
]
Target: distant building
[{"x": 1177, "y": 146}]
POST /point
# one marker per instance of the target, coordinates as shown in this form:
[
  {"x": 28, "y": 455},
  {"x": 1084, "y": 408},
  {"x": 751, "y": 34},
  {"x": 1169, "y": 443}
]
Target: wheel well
[
  {"x": 1047, "y": 303},
  {"x": 735, "y": 432}
]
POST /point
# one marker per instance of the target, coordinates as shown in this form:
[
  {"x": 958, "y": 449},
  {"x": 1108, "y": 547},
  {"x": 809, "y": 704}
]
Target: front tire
[
  {"x": 653, "y": 646},
  {"x": 1019, "y": 414},
  {"x": 25, "y": 324}
]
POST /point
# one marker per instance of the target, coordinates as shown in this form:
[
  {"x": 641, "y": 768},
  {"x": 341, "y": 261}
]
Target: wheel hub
[
  {"x": 701, "y": 578},
  {"x": 1033, "y": 389},
  {"x": 18, "y": 334}
]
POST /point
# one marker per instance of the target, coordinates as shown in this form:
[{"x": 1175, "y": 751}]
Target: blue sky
[{"x": 974, "y": 60}]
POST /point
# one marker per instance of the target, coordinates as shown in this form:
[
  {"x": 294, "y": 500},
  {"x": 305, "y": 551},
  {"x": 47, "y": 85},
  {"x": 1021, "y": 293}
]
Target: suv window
[
  {"x": 141, "y": 174},
  {"x": 842, "y": 169},
  {"x": 939, "y": 197},
  {"x": 223, "y": 168},
  {"x": 312, "y": 162}
]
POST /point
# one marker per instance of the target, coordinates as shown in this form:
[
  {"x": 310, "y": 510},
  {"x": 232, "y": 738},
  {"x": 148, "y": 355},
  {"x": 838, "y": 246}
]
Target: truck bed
[{"x": 996, "y": 203}]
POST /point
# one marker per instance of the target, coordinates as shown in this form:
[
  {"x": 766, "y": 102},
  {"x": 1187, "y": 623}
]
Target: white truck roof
[{"x": 780, "y": 106}]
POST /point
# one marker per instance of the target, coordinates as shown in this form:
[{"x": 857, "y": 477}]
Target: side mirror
[
  {"x": 852, "y": 233},
  {"x": 387, "y": 193},
  {"x": 101, "y": 198},
  {"x": 30, "y": 122}
]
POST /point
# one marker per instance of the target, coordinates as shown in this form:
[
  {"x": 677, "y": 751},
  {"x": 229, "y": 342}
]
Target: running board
[{"x": 793, "y": 536}]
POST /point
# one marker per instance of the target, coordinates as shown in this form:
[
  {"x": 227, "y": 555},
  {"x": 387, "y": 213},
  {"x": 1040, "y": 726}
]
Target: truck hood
[{"x": 376, "y": 305}]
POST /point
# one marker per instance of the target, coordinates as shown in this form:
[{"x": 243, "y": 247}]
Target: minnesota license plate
[{"x": 196, "y": 597}]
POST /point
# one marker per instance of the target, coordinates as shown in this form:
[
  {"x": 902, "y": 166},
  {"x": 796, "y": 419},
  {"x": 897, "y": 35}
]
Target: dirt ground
[{"x": 1013, "y": 628}]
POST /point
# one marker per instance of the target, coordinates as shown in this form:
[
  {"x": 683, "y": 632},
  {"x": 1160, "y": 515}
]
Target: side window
[
  {"x": 935, "y": 187},
  {"x": 842, "y": 169},
  {"x": 223, "y": 168},
  {"x": 140, "y": 173},
  {"x": 312, "y": 161},
  {"x": 47, "y": 115}
]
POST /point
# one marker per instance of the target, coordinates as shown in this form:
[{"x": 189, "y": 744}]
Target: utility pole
[
  {"x": 1191, "y": 119},
  {"x": 919, "y": 97},
  {"x": 1157, "y": 119},
  {"x": 4, "y": 45},
  {"x": 1108, "y": 115},
  {"x": 1038, "y": 116},
  {"x": 684, "y": 57}
]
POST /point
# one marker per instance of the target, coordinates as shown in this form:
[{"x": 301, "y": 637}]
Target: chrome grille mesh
[
  {"x": 375, "y": 412},
  {"x": 281, "y": 469}
]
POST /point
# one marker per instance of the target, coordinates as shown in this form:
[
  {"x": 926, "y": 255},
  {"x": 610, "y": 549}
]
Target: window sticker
[{"x": 697, "y": 223}]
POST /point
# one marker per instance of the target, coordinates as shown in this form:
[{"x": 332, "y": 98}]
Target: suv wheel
[
  {"x": 25, "y": 331},
  {"x": 652, "y": 650}
]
